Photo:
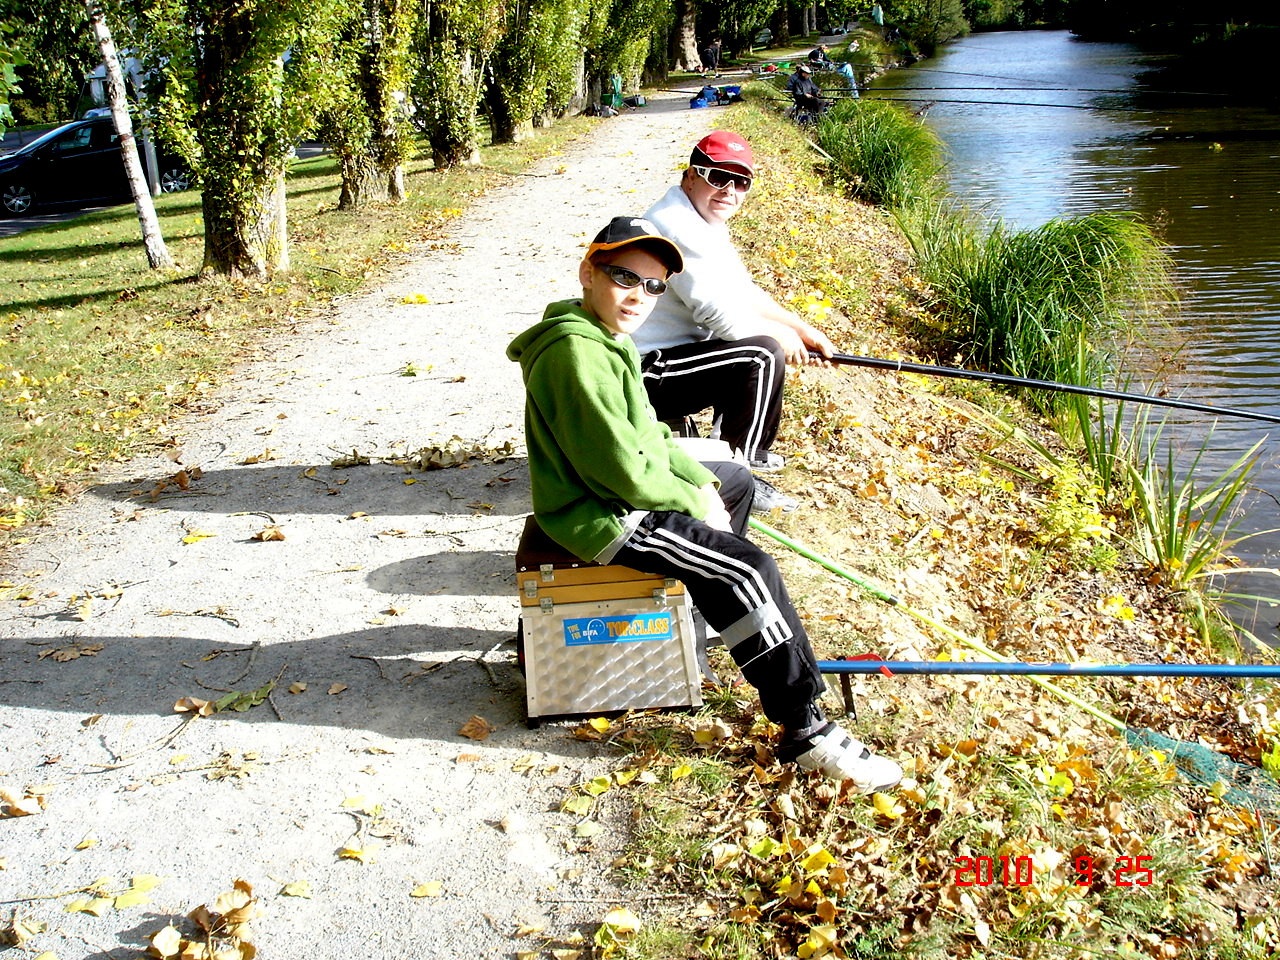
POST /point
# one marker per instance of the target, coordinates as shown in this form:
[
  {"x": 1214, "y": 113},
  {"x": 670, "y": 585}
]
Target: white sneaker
[{"x": 836, "y": 755}]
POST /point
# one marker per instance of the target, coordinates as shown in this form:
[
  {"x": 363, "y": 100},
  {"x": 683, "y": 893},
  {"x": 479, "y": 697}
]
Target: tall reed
[
  {"x": 881, "y": 153},
  {"x": 1043, "y": 302}
]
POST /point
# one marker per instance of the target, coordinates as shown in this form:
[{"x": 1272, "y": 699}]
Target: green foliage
[
  {"x": 53, "y": 49},
  {"x": 882, "y": 153},
  {"x": 927, "y": 23},
  {"x": 534, "y": 64},
  {"x": 1036, "y": 303},
  {"x": 1183, "y": 522},
  {"x": 1072, "y": 519},
  {"x": 736, "y": 22},
  {"x": 366, "y": 91},
  {"x": 453, "y": 39},
  {"x": 10, "y": 57},
  {"x": 619, "y": 34},
  {"x": 234, "y": 104}
]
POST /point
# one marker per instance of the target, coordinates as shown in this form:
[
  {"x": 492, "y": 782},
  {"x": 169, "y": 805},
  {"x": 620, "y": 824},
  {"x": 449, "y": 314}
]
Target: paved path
[{"x": 390, "y": 583}]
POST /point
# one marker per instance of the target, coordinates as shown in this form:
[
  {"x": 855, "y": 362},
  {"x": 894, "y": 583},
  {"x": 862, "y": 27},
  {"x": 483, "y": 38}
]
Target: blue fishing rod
[{"x": 958, "y": 667}]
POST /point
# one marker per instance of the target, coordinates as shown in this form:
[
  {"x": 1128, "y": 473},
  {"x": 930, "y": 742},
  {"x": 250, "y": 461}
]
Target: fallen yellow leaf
[
  {"x": 363, "y": 854},
  {"x": 432, "y": 888},
  {"x": 166, "y": 942}
]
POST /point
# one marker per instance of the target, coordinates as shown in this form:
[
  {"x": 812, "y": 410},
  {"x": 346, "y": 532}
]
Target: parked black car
[{"x": 76, "y": 164}]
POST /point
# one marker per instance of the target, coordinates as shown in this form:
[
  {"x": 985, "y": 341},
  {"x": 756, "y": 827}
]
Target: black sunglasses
[{"x": 627, "y": 279}]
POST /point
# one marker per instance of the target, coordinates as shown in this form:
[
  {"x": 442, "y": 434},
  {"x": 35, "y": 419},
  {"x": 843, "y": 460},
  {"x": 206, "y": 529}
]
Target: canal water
[{"x": 1062, "y": 127}]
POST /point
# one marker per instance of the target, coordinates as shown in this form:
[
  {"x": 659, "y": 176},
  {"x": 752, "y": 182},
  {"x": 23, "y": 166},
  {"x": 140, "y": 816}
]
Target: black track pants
[
  {"x": 741, "y": 380},
  {"x": 737, "y": 587}
]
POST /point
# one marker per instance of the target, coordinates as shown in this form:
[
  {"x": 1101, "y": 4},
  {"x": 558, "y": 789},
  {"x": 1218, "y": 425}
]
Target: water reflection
[{"x": 1122, "y": 134}]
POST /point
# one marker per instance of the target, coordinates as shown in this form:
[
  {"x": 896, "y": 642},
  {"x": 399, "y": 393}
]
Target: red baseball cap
[{"x": 722, "y": 148}]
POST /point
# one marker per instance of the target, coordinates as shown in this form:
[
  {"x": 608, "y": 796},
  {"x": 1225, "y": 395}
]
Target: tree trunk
[
  {"x": 246, "y": 236},
  {"x": 371, "y": 163},
  {"x": 504, "y": 127},
  {"x": 451, "y": 89},
  {"x": 781, "y": 26},
  {"x": 152, "y": 239},
  {"x": 682, "y": 50},
  {"x": 364, "y": 182}
]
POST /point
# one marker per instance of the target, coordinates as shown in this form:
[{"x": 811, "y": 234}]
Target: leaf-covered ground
[{"x": 1027, "y": 827}]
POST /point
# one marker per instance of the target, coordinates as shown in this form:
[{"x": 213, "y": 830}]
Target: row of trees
[{"x": 236, "y": 83}]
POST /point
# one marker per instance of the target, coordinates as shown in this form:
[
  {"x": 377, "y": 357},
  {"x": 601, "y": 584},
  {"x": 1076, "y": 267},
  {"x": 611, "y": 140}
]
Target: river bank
[
  {"x": 385, "y": 612},
  {"x": 1140, "y": 131}
]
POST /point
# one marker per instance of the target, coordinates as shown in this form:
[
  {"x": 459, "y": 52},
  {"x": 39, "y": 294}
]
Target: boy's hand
[{"x": 717, "y": 517}]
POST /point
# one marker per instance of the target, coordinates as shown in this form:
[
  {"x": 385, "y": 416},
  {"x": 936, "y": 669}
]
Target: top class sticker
[{"x": 619, "y": 629}]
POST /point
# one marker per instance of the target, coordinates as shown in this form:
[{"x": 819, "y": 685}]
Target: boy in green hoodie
[{"x": 610, "y": 485}]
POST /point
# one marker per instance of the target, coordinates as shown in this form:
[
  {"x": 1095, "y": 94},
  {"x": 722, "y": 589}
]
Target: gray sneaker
[
  {"x": 769, "y": 498},
  {"x": 767, "y": 462}
]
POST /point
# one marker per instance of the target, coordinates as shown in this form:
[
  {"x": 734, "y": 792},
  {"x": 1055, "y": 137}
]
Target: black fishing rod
[
  {"x": 998, "y": 76},
  {"x": 1015, "y": 89},
  {"x": 902, "y": 366},
  {"x": 1010, "y": 103}
]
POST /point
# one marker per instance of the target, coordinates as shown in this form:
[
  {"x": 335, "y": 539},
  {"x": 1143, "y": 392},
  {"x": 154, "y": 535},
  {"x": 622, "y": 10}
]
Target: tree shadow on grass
[{"x": 80, "y": 251}]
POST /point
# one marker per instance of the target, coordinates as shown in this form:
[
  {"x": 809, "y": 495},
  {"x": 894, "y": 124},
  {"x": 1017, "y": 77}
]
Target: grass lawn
[{"x": 97, "y": 351}]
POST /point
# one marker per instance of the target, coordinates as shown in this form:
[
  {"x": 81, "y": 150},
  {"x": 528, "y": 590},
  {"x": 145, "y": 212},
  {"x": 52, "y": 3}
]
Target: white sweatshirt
[{"x": 714, "y": 296}]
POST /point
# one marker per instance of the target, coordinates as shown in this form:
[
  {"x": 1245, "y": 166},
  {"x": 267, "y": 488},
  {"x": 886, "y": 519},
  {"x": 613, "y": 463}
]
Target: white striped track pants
[{"x": 741, "y": 380}]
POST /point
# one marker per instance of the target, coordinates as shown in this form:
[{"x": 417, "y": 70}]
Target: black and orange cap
[{"x": 624, "y": 231}]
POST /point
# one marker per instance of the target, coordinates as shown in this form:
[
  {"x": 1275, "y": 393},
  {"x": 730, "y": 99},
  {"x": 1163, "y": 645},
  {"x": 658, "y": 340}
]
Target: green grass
[
  {"x": 1045, "y": 303},
  {"x": 1183, "y": 522},
  {"x": 880, "y": 153},
  {"x": 97, "y": 351}
]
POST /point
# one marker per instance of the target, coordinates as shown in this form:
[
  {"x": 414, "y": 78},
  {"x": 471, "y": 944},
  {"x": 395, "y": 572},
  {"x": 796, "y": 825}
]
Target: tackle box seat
[{"x": 599, "y": 638}]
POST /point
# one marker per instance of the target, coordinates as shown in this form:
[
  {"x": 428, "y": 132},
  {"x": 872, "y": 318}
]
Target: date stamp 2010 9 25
[{"x": 1020, "y": 871}]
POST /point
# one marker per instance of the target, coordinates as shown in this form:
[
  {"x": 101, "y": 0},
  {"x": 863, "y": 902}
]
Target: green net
[{"x": 1247, "y": 786}]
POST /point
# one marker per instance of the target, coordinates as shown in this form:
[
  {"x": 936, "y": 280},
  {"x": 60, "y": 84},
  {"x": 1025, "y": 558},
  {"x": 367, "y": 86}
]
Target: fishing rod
[
  {"x": 954, "y": 667},
  {"x": 902, "y": 366},
  {"x": 891, "y": 600},
  {"x": 1013, "y": 103},
  {"x": 998, "y": 76},
  {"x": 1018, "y": 89}
]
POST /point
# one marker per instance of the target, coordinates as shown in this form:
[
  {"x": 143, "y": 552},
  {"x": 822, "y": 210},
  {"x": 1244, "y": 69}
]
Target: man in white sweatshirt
[{"x": 717, "y": 339}]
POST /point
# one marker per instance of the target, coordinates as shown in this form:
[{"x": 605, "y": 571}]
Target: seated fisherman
[
  {"x": 819, "y": 59},
  {"x": 804, "y": 91},
  {"x": 718, "y": 339},
  {"x": 611, "y": 485}
]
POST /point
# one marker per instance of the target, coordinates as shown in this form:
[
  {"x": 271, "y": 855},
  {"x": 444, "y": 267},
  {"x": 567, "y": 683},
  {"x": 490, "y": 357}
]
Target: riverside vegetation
[
  {"x": 1091, "y": 542},
  {"x": 1000, "y": 531}
]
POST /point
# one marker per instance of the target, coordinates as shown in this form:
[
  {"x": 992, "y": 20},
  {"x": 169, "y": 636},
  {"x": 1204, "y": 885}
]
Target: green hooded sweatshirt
[{"x": 599, "y": 460}]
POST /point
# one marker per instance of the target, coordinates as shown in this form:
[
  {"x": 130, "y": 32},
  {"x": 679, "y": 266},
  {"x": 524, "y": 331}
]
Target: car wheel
[
  {"x": 174, "y": 179},
  {"x": 17, "y": 199}
]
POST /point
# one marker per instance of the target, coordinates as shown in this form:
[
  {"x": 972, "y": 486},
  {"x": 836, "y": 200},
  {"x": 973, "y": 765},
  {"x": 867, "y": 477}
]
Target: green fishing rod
[
  {"x": 923, "y": 617},
  {"x": 902, "y": 366},
  {"x": 1245, "y": 785}
]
